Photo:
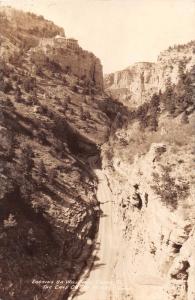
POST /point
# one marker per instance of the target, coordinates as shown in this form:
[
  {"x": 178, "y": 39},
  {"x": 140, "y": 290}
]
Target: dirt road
[
  {"x": 109, "y": 277},
  {"x": 102, "y": 280}
]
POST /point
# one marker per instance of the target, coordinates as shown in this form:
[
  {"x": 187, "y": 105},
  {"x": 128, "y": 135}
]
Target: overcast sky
[{"x": 119, "y": 32}]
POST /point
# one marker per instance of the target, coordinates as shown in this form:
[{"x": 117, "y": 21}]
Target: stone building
[
  {"x": 61, "y": 41},
  {"x": 72, "y": 43},
  {"x": 66, "y": 42}
]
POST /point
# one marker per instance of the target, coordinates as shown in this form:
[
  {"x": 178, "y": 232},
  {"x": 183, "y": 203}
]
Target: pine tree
[
  {"x": 11, "y": 146},
  {"x": 41, "y": 172},
  {"x": 181, "y": 70},
  {"x": 52, "y": 176},
  {"x": 27, "y": 162}
]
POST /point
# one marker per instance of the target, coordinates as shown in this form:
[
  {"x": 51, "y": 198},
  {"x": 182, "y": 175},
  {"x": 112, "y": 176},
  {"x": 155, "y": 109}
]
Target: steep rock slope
[
  {"x": 21, "y": 32},
  {"x": 148, "y": 162},
  {"x": 51, "y": 120},
  {"x": 134, "y": 85}
]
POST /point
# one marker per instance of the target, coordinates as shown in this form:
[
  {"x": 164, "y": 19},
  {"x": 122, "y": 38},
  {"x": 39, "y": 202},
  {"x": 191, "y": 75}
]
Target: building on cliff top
[
  {"x": 59, "y": 40},
  {"x": 72, "y": 43}
]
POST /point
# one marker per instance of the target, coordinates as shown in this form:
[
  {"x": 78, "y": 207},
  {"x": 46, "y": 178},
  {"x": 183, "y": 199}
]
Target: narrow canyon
[{"x": 96, "y": 197}]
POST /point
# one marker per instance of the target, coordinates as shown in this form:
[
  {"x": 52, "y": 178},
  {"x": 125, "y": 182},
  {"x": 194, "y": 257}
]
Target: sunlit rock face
[
  {"x": 155, "y": 212},
  {"x": 151, "y": 178},
  {"x": 48, "y": 41},
  {"x": 72, "y": 59},
  {"x": 134, "y": 85}
]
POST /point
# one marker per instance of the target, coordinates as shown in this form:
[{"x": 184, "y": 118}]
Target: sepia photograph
[{"x": 97, "y": 149}]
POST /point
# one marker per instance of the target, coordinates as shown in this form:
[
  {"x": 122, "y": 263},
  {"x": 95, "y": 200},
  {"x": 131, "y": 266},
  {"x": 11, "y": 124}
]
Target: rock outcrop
[
  {"x": 135, "y": 85},
  {"x": 72, "y": 60},
  {"x": 51, "y": 122},
  {"x": 44, "y": 39},
  {"x": 54, "y": 118},
  {"x": 150, "y": 175},
  {"x": 154, "y": 206}
]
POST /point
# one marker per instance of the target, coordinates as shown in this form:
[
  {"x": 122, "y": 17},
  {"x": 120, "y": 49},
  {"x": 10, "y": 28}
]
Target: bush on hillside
[
  {"x": 166, "y": 187},
  {"x": 29, "y": 84}
]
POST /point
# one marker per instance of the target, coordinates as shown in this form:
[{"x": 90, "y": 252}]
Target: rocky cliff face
[
  {"x": 150, "y": 174},
  {"x": 20, "y": 31},
  {"x": 135, "y": 85},
  {"x": 78, "y": 62},
  {"x": 51, "y": 120},
  {"x": 154, "y": 205}
]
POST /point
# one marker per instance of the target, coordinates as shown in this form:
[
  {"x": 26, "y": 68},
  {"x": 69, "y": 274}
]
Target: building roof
[
  {"x": 72, "y": 39},
  {"x": 60, "y": 37}
]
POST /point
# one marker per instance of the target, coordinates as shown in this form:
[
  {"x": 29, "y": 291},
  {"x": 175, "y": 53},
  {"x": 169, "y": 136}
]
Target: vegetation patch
[{"x": 169, "y": 191}]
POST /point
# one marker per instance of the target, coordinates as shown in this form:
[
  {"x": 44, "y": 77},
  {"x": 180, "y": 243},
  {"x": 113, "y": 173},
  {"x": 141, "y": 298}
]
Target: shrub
[
  {"x": 26, "y": 160},
  {"x": 29, "y": 84},
  {"x": 59, "y": 148},
  {"x": 75, "y": 88},
  {"x": 10, "y": 152},
  {"x": 5, "y": 86},
  {"x": 52, "y": 176},
  {"x": 41, "y": 172},
  {"x": 9, "y": 103},
  {"x": 26, "y": 188},
  {"x": 168, "y": 190},
  {"x": 85, "y": 115}
]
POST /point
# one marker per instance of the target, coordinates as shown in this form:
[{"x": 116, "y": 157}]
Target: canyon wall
[
  {"x": 150, "y": 175},
  {"x": 134, "y": 85},
  {"x": 76, "y": 61},
  {"x": 50, "y": 123},
  {"x": 27, "y": 31}
]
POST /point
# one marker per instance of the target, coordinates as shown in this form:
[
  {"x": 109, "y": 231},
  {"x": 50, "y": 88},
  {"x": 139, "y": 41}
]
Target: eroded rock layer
[
  {"x": 148, "y": 163},
  {"x": 134, "y": 85}
]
